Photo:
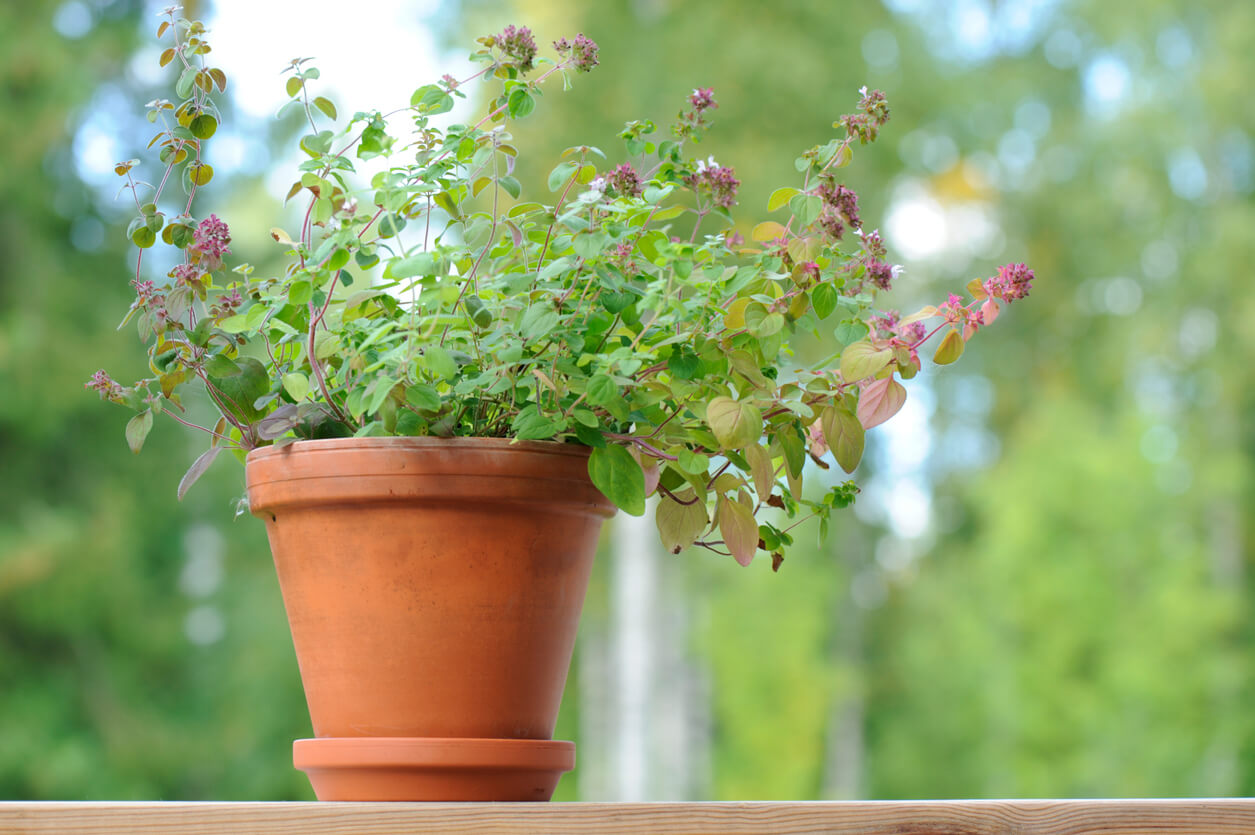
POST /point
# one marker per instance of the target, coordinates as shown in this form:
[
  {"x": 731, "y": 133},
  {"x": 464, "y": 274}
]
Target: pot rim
[{"x": 407, "y": 442}]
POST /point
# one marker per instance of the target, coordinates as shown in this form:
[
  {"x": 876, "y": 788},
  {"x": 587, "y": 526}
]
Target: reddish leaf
[
  {"x": 879, "y": 401},
  {"x": 738, "y": 528}
]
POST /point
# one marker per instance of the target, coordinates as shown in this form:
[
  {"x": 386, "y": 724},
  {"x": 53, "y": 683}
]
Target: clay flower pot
[{"x": 433, "y": 587}]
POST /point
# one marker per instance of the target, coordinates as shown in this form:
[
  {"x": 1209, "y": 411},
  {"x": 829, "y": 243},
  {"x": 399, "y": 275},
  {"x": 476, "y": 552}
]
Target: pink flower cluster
[
  {"x": 866, "y": 124},
  {"x": 518, "y": 43},
  {"x": 210, "y": 242},
  {"x": 624, "y": 180},
  {"x": 1013, "y": 281},
  {"x": 583, "y": 49},
  {"x": 188, "y": 275},
  {"x": 105, "y": 386},
  {"x": 703, "y": 99},
  {"x": 719, "y": 181}
]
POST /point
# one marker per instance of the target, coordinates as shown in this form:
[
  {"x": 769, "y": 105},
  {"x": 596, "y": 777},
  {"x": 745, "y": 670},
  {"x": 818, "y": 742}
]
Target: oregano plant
[{"x": 628, "y": 309}]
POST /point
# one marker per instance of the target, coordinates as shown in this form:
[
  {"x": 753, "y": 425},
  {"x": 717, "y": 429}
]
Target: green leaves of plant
[
  {"x": 824, "y": 300},
  {"x": 806, "y": 208},
  {"x": 137, "y": 429},
  {"x": 950, "y": 349},
  {"x": 863, "y": 359},
  {"x": 538, "y": 320},
  {"x": 781, "y": 197},
  {"x": 562, "y": 174},
  {"x": 619, "y": 477},
  {"x": 680, "y": 520},
  {"x": 738, "y": 528},
  {"x": 439, "y": 362},
  {"x": 239, "y": 391},
  {"x": 844, "y": 435},
  {"x": 734, "y": 423}
]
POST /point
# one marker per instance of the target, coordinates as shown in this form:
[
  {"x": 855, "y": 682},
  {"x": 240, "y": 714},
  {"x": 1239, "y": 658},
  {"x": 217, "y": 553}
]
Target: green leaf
[
  {"x": 538, "y": 320},
  {"x": 738, "y": 529},
  {"x": 439, "y": 362},
  {"x": 824, "y": 300},
  {"x": 383, "y": 387},
  {"x": 325, "y": 105},
  {"x": 512, "y": 186},
  {"x": 770, "y": 325},
  {"x": 138, "y": 427},
  {"x": 684, "y": 363},
  {"x": 143, "y": 237},
  {"x": 863, "y": 359},
  {"x": 794, "y": 449},
  {"x": 301, "y": 292},
  {"x": 220, "y": 366},
  {"x": 762, "y": 469},
  {"x": 198, "y": 468},
  {"x": 781, "y": 197},
  {"x": 561, "y": 174},
  {"x": 296, "y": 385},
  {"x": 422, "y": 263},
  {"x": 235, "y": 324},
  {"x": 423, "y": 397},
  {"x": 680, "y": 524},
  {"x": 520, "y": 103},
  {"x": 554, "y": 268},
  {"x": 950, "y": 349},
  {"x": 850, "y": 331},
  {"x": 845, "y": 436},
  {"x": 693, "y": 463},
  {"x": 806, "y": 208},
  {"x": 601, "y": 390},
  {"x": 183, "y": 87},
  {"x": 734, "y": 423},
  {"x": 619, "y": 477},
  {"x": 203, "y": 126},
  {"x": 241, "y": 390},
  {"x": 531, "y": 425}
]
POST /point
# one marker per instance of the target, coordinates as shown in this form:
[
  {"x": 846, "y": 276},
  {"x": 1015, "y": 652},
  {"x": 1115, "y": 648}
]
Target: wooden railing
[{"x": 971, "y": 817}]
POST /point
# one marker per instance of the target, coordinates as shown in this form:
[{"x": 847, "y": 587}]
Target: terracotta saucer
[{"x": 436, "y": 769}]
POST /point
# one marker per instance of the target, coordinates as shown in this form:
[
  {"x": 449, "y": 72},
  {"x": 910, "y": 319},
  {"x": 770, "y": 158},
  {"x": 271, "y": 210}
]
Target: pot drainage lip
[{"x": 441, "y": 752}]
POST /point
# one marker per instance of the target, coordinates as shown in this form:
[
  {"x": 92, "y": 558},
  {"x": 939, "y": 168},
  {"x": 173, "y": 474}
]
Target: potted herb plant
[{"x": 449, "y": 386}]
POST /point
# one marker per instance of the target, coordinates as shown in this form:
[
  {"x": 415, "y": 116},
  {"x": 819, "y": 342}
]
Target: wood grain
[{"x": 970, "y": 817}]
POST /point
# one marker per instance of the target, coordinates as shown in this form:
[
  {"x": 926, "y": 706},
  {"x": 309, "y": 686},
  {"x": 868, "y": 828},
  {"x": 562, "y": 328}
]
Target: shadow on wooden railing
[{"x": 1209, "y": 817}]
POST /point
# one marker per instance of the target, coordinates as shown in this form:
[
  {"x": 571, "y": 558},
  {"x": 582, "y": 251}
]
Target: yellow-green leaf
[
  {"x": 768, "y": 230},
  {"x": 201, "y": 173},
  {"x": 780, "y": 197},
  {"x": 324, "y": 104},
  {"x": 762, "y": 469},
  {"x": 863, "y": 359},
  {"x": 845, "y": 436},
  {"x": 950, "y": 349},
  {"x": 137, "y": 429},
  {"x": 296, "y": 385},
  {"x": 680, "y": 524},
  {"x": 734, "y": 423},
  {"x": 738, "y": 529}
]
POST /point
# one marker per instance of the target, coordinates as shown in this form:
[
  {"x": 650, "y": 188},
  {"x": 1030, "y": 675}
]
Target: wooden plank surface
[{"x": 971, "y": 817}]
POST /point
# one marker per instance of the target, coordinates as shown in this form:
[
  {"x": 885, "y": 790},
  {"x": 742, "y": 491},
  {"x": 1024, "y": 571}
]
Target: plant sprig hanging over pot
[{"x": 439, "y": 300}]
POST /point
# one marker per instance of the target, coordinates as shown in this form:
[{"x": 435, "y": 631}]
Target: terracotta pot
[{"x": 433, "y": 587}]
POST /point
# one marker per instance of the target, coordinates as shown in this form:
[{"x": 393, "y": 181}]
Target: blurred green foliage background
[{"x": 1074, "y": 619}]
